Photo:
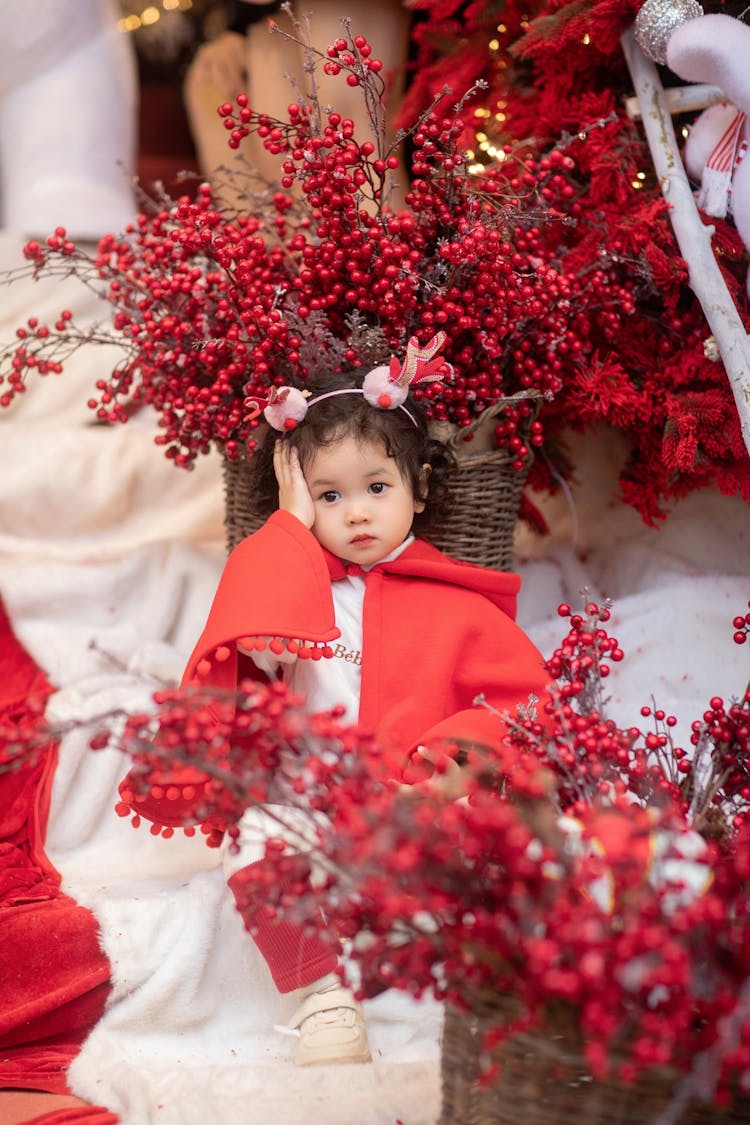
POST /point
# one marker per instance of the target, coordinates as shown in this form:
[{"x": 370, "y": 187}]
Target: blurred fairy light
[
  {"x": 487, "y": 149},
  {"x": 487, "y": 146},
  {"x": 151, "y": 14}
]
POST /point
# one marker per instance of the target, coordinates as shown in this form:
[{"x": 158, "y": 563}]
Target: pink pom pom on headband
[{"x": 385, "y": 387}]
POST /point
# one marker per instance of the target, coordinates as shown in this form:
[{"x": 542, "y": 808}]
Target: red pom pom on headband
[{"x": 385, "y": 387}]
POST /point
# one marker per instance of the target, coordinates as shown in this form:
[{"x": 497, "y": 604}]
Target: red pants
[{"x": 294, "y": 958}]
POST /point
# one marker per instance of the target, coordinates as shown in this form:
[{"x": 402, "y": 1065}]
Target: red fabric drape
[
  {"x": 54, "y": 978},
  {"x": 74, "y": 1115}
]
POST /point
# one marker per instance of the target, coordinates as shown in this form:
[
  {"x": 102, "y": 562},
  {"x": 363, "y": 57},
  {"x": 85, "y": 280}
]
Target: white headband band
[
  {"x": 359, "y": 391},
  {"x": 385, "y": 388}
]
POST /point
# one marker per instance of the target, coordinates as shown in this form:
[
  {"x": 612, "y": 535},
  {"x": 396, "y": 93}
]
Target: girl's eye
[
  {"x": 330, "y": 497},
  {"x": 378, "y": 487}
]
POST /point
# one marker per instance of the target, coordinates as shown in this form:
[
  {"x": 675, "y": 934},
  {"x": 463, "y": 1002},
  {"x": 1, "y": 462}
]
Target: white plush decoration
[
  {"x": 68, "y": 102},
  {"x": 380, "y": 390},
  {"x": 715, "y": 49},
  {"x": 288, "y": 408}
]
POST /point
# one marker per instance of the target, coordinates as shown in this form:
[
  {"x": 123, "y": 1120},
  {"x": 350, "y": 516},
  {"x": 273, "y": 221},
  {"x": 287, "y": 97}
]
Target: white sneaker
[{"x": 331, "y": 1029}]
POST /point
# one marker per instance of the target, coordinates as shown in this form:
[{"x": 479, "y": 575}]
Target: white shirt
[
  {"x": 325, "y": 683},
  {"x": 335, "y": 680}
]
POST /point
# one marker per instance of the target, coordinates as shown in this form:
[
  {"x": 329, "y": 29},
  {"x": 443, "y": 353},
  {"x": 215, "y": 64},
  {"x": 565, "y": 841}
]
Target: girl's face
[{"x": 363, "y": 506}]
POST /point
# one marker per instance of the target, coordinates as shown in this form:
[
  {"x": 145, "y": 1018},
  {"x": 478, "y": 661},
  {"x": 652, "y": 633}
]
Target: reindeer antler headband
[{"x": 384, "y": 387}]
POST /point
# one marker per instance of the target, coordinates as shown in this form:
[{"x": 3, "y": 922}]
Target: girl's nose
[{"x": 356, "y": 513}]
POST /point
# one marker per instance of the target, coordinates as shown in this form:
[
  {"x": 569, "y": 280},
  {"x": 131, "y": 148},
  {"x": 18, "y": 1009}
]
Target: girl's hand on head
[{"x": 294, "y": 495}]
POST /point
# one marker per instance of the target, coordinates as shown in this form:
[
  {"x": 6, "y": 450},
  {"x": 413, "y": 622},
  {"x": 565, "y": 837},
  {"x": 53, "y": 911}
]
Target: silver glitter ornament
[{"x": 656, "y": 21}]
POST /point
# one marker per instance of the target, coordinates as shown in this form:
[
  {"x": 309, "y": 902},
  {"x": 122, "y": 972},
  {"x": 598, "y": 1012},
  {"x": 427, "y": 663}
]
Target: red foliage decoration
[{"x": 557, "y": 81}]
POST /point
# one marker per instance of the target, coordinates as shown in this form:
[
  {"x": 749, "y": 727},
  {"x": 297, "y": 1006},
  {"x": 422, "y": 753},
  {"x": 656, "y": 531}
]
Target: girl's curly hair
[{"x": 343, "y": 416}]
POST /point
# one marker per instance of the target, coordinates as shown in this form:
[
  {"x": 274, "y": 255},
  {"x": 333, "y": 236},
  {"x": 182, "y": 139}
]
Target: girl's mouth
[{"x": 359, "y": 540}]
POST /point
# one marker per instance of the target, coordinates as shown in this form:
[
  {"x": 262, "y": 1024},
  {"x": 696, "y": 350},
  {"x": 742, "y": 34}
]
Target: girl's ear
[{"x": 421, "y": 498}]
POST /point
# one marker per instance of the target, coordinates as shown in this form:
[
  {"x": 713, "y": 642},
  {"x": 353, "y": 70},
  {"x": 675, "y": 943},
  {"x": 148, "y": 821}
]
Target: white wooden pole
[
  {"x": 693, "y": 236},
  {"x": 681, "y": 99}
]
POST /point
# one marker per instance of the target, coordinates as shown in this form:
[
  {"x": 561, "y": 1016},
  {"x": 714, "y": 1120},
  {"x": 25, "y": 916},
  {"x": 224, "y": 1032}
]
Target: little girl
[{"x": 340, "y": 595}]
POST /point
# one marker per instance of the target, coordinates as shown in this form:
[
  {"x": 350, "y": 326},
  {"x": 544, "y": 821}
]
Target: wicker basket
[
  {"x": 488, "y": 491},
  {"x": 544, "y": 1080},
  {"x": 239, "y": 518}
]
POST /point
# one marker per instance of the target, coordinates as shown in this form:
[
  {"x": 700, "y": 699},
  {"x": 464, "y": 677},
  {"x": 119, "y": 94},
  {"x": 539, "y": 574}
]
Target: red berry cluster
[
  {"x": 581, "y": 659},
  {"x": 635, "y": 926},
  {"x": 721, "y": 741},
  {"x": 593, "y": 758},
  {"x": 212, "y": 308},
  {"x": 351, "y": 57},
  {"x": 200, "y": 758},
  {"x": 742, "y": 627}
]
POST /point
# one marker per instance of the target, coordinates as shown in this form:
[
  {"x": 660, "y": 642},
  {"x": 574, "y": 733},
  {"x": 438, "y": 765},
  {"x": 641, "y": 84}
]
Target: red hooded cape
[{"x": 437, "y": 633}]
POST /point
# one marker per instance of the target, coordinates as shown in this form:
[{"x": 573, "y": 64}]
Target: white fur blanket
[{"x": 108, "y": 560}]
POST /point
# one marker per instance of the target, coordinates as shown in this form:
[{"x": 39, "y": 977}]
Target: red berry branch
[
  {"x": 319, "y": 273},
  {"x": 589, "y": 866}
]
